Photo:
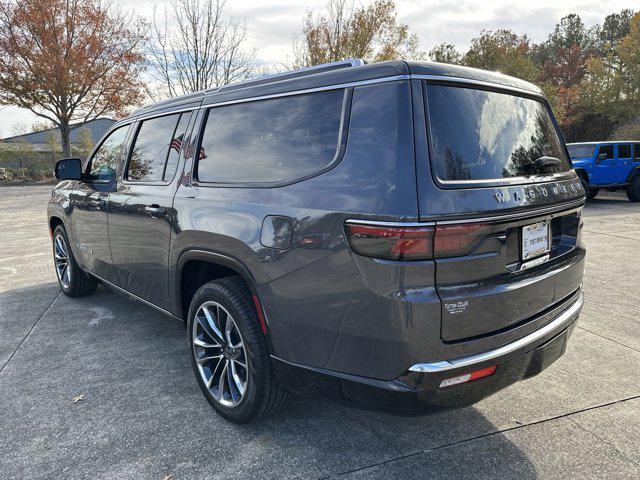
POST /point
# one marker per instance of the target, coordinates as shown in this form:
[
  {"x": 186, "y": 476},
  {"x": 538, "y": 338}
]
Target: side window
[
  {"x": 151, "y": 149},
  {"x": 174, "y": 148},
  {"x": 636, "y": 152},
  {"x": 606, "y": 149},
  {"x": 271, "y": 140},
  {"x": 624, "y": 151},
  {"x": 105, "y": 160}
]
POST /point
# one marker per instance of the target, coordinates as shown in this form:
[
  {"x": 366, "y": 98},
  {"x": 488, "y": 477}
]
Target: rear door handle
[{"x": 155, "y": 210}]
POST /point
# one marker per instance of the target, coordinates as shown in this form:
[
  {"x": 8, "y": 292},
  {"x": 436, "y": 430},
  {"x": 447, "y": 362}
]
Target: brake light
[
  {"x": 457, "y": 240},
  {"x": 391, "y": 242},
  {"x": 469, "y": 377},
  {"x": 414, "y": 242}
]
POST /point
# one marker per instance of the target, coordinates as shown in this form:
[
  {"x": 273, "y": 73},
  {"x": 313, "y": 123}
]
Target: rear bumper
[{"x": 418, "y": 390}]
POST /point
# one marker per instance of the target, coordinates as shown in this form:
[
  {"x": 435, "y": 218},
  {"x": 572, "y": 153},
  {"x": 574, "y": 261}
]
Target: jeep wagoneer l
[{"x": 398, "y": 235}]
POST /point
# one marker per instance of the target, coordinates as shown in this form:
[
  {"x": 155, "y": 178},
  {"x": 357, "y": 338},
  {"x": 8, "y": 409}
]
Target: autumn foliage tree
[
  {"x": 69, "y": 60},
  {"x": 370, "y": 32}
]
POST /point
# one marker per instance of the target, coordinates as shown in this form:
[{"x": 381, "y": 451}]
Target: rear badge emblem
[{"x": 454, "y": 308}]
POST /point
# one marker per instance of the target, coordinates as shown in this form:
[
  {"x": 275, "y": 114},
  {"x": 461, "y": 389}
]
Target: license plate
[{"x": 535, "y": 240}]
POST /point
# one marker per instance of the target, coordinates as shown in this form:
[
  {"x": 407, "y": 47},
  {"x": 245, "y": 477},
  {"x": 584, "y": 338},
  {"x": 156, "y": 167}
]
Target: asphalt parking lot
[{"x": 143, "y": 416}]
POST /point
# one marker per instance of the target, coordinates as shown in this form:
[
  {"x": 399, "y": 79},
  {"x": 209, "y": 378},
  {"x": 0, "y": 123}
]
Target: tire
[
  {"x": 73, "y": 281},
  {"x": 238, "y": 347},
  {"x": 633, "y": 190},
  {"x": 590, "y": 192}
]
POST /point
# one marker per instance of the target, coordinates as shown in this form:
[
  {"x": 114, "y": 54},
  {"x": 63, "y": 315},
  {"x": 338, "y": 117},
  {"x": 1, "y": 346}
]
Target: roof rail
[{"x": 301, "y": 72}]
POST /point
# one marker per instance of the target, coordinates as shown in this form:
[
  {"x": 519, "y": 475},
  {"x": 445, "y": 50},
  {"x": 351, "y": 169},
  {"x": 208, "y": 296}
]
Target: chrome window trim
[{"x": 470, "y": 360}]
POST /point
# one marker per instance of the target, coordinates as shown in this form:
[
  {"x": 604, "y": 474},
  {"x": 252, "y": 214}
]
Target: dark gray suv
[{"x": 399, "y": 235}]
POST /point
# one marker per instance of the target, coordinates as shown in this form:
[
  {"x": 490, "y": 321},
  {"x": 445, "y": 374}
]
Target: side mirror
[
  {"x": 601, "y": 156},
  {"x": 68, "y": 169}
]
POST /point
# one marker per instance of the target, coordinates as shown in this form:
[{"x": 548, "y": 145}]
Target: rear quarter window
[
  {"x": 480, "y": 135},
  {"x": 624, "y": 151},
  {"x": 271, "y": 141}
]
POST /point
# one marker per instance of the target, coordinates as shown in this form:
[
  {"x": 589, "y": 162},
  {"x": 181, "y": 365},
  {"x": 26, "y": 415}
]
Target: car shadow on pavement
[{"x": 142, "y": 414}]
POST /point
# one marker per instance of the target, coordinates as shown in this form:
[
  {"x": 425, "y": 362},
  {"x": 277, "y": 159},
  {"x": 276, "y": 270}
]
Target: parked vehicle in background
[
  {"x": 608, "y": 165},
  {"x": 399, "y": 235}
]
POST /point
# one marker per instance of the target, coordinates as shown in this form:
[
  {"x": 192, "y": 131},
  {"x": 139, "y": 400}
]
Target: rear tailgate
[
  {"x": 492, "y": 288},
  {"x": 492, "y": 169}
]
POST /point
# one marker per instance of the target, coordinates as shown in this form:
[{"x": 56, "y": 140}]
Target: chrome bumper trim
[{"x": 469, "y": 360}]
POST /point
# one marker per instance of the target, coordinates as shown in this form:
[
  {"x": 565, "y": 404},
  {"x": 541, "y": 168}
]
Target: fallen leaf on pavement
[{"x": 79, "y": 398}]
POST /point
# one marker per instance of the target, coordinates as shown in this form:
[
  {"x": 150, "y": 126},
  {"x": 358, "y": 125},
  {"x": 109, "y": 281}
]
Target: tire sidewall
[{"x": 249, "y": 406}]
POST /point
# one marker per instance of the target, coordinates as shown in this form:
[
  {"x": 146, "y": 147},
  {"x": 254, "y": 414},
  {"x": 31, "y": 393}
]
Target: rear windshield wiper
[{"x": 545, "y": 161}]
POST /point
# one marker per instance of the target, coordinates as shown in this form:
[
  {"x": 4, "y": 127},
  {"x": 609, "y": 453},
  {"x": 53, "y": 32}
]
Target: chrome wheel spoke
[
  {"x": 212, "y": 325},
  {"x": 222, "y": 383},
  {"x": 228, "y": 329},
  {"x": 236, "y": 378},
  {"x": 208, "y": 358},
  {"x": 210, "y": 381},
  {"x": 238, "y": 362},
  {"x": 202, "y": 344}
]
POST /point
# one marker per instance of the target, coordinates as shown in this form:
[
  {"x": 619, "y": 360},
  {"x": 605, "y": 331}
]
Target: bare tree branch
[{"x": 203, "y": 50}]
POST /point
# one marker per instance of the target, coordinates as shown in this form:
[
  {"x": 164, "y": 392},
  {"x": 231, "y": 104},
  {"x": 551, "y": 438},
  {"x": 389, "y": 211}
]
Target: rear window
[
  {"x": 482, "y": 135},
  {"x": 580, "y": 151},
  {"x": 272, "y": 140}
]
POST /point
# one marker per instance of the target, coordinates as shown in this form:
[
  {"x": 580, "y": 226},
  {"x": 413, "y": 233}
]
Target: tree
[
  {"x": 628, "y": 131},
  {"x": 612, "y": 91},
  {"x": 84, "y": 142},
  {"x": 69, "y": 60},
  {"x": 614, "y": 28},
  {"x": 369, "y": 32},
  {"x": 504, "y": 51},
  {"x": 445, "y": 53},
  {"x": 202, "y": 51},
  {"x": 19, "y": 151}
]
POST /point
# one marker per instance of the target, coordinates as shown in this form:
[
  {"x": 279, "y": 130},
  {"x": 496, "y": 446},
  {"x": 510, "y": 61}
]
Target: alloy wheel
[
  {"x": 220, "y": 354},
  {"x": 61, "y": 258}
]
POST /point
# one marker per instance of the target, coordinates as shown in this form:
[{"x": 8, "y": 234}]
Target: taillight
[
  {"x": 414, "y": 242},
  {"x": 457, "y": 240},
  {"x": 391, "y": 242}
]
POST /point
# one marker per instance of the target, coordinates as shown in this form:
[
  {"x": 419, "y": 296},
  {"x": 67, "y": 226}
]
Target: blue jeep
[{"x": 609, "y": 165}]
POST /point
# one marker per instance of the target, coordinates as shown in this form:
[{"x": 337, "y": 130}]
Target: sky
[{"x": 272, "y": 25}]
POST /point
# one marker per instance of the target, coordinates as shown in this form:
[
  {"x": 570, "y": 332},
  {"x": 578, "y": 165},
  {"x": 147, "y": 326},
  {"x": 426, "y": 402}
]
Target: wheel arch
[
  {"x": 54, "y": 221},
  {"x": 633, "y": 173},
  {"x": 197, "y": 267}
]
